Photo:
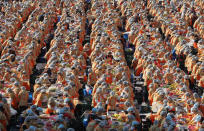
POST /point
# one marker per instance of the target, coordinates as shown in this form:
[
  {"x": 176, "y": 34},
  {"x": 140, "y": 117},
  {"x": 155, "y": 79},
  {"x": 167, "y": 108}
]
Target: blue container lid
[
  {"x": 125, "y": 36},
  {"x": 58, "y": 18},
  {"x": 30, "y": 99}
]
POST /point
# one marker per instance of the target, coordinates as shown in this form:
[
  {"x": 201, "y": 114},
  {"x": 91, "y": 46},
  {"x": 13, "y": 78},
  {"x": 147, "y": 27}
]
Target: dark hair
[
  {"x": 24, "y": 127},
  {"x": 49, "y": 72},
  {"x": 2, "y": 108},
  {"x": 2, "y": 81}
]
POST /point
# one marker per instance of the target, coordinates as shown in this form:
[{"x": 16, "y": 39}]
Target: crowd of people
[
  {"x": 87, "y": 82},
  {"x": 169, "y": 57}
]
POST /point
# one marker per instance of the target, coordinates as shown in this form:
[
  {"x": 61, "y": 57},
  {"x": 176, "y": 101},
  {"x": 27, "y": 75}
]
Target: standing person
[
  {"x": 91, "y": 78},
  {"x": 23, "y": 99},
  {"x": 111, "y": 101},
  {"x": 14, "y": 102}
]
